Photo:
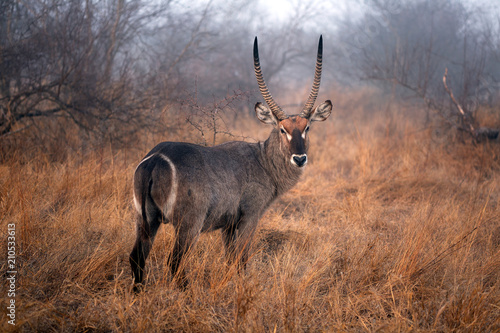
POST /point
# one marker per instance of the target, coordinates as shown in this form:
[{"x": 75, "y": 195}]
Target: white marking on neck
[{"x": 172, "y": 197}]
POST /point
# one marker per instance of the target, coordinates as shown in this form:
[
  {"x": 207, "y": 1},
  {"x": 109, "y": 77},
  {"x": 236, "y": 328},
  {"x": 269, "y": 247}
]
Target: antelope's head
[{"x": 293, "y": 129}]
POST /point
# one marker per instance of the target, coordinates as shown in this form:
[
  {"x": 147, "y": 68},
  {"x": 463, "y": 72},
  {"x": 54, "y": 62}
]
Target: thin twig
[{"x": 442, "y": 255}]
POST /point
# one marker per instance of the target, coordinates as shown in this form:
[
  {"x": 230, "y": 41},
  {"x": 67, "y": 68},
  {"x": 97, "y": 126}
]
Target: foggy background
[{"x": 110, "y": 68}]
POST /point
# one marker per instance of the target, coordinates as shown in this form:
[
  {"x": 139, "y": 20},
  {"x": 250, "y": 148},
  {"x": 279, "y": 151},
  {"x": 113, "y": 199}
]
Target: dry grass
[{"x": 388, "y": 230}]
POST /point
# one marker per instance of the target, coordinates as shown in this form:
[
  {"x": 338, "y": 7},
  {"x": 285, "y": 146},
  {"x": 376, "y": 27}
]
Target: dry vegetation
[{"x": 391, "y": 228}]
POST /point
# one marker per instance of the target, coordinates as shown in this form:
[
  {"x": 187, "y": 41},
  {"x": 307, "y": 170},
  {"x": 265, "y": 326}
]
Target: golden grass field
[{"x": 392, "y": 228}]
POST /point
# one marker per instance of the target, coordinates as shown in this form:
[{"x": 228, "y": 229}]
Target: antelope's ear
[
  {"x": 264, "y": 114},
  {"x": 321, "y": 112}
]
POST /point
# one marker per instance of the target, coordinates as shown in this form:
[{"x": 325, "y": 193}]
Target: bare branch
[{"x": 459, "y": 107}]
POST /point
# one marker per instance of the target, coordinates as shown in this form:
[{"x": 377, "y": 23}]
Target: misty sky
[{"x": 281, "y": 9}]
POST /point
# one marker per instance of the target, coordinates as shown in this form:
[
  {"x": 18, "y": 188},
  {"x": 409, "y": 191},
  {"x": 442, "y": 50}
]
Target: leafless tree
[
  {"x": 72, "y": 60},
  {"x": 112, "y": 67},
  {"x": 406, "y": 47}
]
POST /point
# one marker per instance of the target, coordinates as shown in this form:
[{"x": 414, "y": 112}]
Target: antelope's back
[{"x": 195, "y": 181}]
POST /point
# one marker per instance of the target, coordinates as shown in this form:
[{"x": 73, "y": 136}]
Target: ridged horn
[
  {"x": 317, "y": 79},
  {"x": 275, "y": 109}
]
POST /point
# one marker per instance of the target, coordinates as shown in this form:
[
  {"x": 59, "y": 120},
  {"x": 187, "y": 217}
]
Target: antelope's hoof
[{"x": 137, "y": 288}]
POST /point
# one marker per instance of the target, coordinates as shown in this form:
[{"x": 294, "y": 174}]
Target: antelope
[{"x": 227, "y": 186}]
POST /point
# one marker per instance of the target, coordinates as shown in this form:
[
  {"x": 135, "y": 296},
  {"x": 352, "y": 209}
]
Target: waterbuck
[{"x": 225, "y": 187}]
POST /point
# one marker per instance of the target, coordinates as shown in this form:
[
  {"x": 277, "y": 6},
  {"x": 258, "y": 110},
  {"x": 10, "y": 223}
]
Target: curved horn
[
  {"x": 275, "y": 109},
  {"x": 317, "y": 79}
]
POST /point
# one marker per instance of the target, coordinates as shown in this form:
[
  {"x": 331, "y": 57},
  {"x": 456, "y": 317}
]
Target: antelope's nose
[{"x": 299, "y": 160}]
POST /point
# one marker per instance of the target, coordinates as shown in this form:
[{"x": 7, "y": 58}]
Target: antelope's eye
[
  {"x": 282, "y": 131},
  {"x": 307, "y": 129}
]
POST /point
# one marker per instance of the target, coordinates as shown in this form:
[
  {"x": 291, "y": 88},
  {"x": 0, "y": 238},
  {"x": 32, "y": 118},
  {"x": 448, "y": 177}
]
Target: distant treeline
[{"x": 110, "y": 67}]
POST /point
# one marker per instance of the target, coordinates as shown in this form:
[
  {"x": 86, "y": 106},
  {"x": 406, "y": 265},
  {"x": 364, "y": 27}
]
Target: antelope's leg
[
  {"x": 238, "y": 238},
  {"x": 143, "y": 244},
  {"x": 229, "y": 238},
  {"x": 187, "y": 233}
]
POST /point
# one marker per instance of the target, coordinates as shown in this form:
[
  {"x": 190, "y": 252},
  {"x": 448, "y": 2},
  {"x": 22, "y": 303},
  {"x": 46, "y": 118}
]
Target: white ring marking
[
  {"x": 172, "y": 197},
  {"x": 137, "y": 204}
]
